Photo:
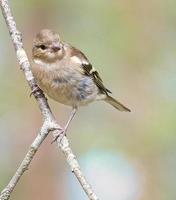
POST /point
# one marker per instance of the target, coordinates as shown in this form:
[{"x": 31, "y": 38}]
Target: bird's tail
[{"x": 116, "y": 104}]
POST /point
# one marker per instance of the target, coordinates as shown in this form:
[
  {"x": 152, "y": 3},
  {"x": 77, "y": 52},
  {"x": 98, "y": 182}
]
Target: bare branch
[{"x": 49, "y": 123}]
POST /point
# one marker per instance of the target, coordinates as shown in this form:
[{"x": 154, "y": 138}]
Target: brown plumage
[{"x": 65, "y": 74}]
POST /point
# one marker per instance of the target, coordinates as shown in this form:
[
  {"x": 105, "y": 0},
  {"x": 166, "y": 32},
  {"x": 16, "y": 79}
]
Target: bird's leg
[
  {"x": 63, "y": 133},
  {"x": 73, "y": 112}
]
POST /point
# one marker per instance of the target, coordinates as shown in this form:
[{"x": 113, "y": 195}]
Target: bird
[{"x": 65, "y": 74}]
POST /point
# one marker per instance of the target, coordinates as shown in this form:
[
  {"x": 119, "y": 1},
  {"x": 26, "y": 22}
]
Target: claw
[
  {"x": 61, "y": 135},
  {"x": 35, "y": 90},
  {"x": 63, "y": 131}
]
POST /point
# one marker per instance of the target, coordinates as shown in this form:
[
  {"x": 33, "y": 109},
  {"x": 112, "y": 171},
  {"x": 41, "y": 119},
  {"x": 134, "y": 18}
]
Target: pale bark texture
[{"x": 49, "y": 122}]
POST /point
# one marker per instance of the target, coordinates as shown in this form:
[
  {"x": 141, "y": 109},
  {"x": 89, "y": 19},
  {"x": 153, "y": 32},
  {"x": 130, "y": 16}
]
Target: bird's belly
[{"x": 73, "y": 91}]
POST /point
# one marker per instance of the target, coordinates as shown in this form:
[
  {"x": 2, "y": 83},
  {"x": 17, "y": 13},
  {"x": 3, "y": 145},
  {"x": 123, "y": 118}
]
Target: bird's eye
[{"x": 43, "y": 47}]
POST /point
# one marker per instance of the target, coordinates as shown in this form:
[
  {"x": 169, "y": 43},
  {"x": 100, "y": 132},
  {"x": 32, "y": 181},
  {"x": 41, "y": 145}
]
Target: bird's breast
[{"x": 66, "y": 85}]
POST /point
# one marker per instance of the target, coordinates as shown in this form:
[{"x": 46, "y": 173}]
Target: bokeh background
[{"x": 125, "y": 156}]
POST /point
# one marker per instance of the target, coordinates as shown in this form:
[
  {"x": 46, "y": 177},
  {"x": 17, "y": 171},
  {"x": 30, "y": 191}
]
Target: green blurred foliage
[{"x": 132, "y": 44}]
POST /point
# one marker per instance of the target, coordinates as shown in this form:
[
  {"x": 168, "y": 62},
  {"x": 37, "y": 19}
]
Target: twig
[{"x": 49, "y": 123}]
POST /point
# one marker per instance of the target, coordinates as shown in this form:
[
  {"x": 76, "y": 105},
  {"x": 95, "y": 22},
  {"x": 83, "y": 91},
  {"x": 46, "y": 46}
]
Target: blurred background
[{"x": 125, "y": 156}]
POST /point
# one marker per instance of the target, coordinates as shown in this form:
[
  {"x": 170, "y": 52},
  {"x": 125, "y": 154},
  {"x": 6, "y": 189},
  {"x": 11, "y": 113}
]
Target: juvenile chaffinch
[{"x": 65, "y": 74}]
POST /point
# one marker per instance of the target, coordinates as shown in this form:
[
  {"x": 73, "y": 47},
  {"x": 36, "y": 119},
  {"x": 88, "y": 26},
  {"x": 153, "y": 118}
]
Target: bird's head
[{"x": 47, "y": 47}]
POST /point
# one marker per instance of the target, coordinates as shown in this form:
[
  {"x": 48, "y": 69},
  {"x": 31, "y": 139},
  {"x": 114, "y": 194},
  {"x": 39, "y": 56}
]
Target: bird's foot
[
  {"x": 36, "y": 91},
  {"x": 59, "y": 135}
]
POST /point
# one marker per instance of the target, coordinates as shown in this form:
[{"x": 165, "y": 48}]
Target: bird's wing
[{"x": 79, "y": 57}]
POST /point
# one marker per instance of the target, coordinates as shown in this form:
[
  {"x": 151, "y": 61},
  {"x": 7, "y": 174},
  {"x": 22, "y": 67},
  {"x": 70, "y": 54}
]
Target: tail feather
[{"x": 116, "y": 104}]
